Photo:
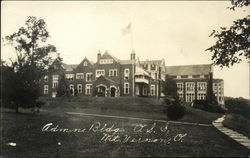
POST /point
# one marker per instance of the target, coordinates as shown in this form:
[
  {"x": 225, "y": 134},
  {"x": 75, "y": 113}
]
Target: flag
[{"x": 127, "y": 29}]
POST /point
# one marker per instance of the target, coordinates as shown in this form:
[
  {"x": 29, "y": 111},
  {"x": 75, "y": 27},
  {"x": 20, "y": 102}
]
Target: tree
[
  {"x": 170, "y": 90},
  {"x": 174, "y": 109},
  {"x": 63, "y": 87},
  {"x": 169, "y": 87},
  {"x": 232, "y": 43},
  {"x": 33, "y": 58}
]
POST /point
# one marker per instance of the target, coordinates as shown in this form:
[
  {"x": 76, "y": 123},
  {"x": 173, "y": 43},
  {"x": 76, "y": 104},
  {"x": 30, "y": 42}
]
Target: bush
[
  {"x": 175, "y": 112},
  {"x": 206, "y": 106},
  {"x": 238, "y": 123},
  {"x": 238, "y": 106}
]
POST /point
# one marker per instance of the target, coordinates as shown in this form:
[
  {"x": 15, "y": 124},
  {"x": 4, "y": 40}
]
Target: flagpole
[{"x": 131, "y": 36}]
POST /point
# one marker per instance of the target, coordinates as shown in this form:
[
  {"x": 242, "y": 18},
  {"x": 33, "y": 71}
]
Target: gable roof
[
  {"x": 102, "y": 78},
  {"x": 91, "y": 62},
  {"x": 69, "y": 67},
  {"x": 189, "y": 70},
  {"x": 106, "y": 54}
]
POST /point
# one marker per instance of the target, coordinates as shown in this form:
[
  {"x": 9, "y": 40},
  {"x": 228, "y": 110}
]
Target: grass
[
  {"x": 126, "y": 106},
  {"x": 238, "y": 123},
  {"x": 25, "y": 130}
]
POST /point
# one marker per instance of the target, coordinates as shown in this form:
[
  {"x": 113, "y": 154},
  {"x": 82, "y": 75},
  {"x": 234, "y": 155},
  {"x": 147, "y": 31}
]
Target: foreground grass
[
  {"x": 238, "y": 123},
  {"x": 26, "y": 131}
]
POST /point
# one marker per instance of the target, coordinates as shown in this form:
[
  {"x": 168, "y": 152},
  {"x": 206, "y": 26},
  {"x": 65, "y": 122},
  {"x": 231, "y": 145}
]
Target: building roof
[
  {"x": 140, "y": 71},
  {"x": 107, "y": 54},
  {"x": 69, "y": 67},
  {"x": 218, "y": 80},
  {"x": 189, "y": 70},
  {"x": 123, "y": 62},
  {"x": 157, "y": 62}
]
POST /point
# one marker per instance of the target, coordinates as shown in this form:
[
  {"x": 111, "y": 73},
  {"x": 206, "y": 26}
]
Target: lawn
[
  {"x": 125, "y": 139},
  {"x": 126, "y": 106}
]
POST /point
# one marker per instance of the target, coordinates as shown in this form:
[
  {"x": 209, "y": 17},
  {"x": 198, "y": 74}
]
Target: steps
[{"x": 240, "y": 138}]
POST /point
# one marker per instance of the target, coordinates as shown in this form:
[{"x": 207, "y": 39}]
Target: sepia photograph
[{"x": 125, "y": 79}]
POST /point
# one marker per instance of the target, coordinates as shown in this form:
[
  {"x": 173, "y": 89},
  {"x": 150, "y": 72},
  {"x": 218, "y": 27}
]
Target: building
[
  {"x": 218, "y": 89},
  {"x": 112, "y": 77},
  {"x": 109, "y": 77},
  {"x": 195, "y": 82}
]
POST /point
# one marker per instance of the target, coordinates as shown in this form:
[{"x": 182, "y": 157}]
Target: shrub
[
  {"x": 238, "y": 123},
  {"x": 175, "y": 112},
  {"x": 206, "y": 106},
  {"x": 239, "y": 106}
]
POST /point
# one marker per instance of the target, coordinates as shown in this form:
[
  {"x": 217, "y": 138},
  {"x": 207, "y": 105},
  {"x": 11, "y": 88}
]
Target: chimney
[
  {"x": 132, "y": 55},
  {"x": 98, "y": 56}
]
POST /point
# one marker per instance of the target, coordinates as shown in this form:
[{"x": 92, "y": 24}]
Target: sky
[{"x": 176, "y": 31}]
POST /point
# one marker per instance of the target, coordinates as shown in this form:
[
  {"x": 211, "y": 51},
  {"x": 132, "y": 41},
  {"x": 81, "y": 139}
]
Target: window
[
  {"x": 71, "y": 86},
  {"x": 88, "y": 88},
  {"x": 98, "y": 73},
  {"x": 79, "y": 88},
  {"x": 72, "y": 89},
  {"x": 106, "y": 61},
  {"x": 184, "y": 76},
  {"x": 201, "y": 96},
  {"x": 153, "y": 67},
  {"x": 126, "y": 74},
  {"x": 55, "y": 81},
  {"x": 189, "y": 86},
  {"x": 152, "y": 90},
  {"x": 85, "y": 63},
  {"x": 153, "y": 76},
  {"x": 46, "y": 89},
  {"x": 46, "y": 78},
  {"x": 89, "y": 77},
  {"x": 126, "y": 88},
  {"x": 202, "y": 86},
  {"x": 113, "y": 72},
  {"x": 196, "y": 76},
  {"x": 69, "y": 77},
  {"x": 190, "y": 97},
  {"x": 79, "y": 75},
  {"x": 180, "y": 95},
  {"x": 179, "y": 86}
]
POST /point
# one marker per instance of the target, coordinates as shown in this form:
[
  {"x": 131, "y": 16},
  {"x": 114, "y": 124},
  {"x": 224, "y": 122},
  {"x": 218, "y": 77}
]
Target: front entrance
[
  {"x": 141, "y": 89},
  {"x": 112, "y": 92},
  {"x": 101, "y": 91}
]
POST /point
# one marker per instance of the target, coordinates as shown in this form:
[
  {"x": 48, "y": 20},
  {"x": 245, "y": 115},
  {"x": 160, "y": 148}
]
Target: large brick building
[
  {"x": 112, "y": 77},
  {"x": 109, "y": 76},
  {"x": 195, "y": 82}
]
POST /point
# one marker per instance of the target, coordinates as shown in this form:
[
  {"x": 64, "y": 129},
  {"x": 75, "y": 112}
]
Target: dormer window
[
  {"x": 106, "y": 61},
  {"x": 85, "y": 63}
]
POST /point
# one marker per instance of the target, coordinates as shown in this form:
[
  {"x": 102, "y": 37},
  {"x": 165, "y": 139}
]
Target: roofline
[{"x": 190, "y": 65}]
